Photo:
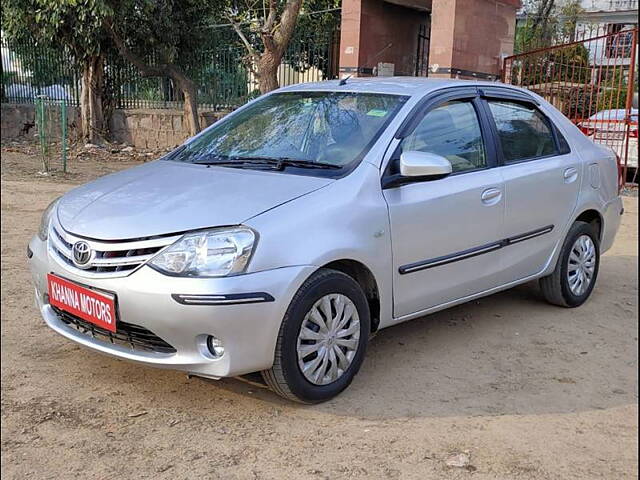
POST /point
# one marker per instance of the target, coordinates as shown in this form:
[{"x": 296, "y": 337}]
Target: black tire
[
  {"x": 285, "y": 377},
  {"x": 555, "y": 287}
]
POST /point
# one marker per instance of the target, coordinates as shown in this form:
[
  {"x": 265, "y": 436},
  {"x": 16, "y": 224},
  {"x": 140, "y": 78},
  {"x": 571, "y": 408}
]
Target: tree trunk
[
  {"x": 267, "y": 71},
  {"x": 189, "y": 92},
  {"x": 91, "y": 114}
]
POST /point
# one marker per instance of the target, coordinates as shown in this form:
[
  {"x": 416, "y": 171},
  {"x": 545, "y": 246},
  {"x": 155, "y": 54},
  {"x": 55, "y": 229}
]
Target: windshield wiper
[
  {"x": 276, "y": 163},
  {"x": 284, "y": 161}
]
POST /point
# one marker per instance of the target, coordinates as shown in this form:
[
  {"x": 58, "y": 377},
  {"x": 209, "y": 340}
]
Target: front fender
[{"x": 345, "y": 220}]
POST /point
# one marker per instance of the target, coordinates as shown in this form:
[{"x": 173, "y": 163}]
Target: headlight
[
  {"x": 209, "y": 253},
  {"x": 43, "y": 231}
]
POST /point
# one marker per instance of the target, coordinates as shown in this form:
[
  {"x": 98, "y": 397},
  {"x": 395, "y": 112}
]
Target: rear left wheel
[
  {"x": 575, "y": 274},
  {"x": 322, "y": 339}
]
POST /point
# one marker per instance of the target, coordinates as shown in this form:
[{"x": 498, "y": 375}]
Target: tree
[
  {"x": 270, "y": 30},
  {"x": 160, "y": 38},
  {"x": 547, "y": 23},
  {"x": 570, "y": 12},
  {"x": 317, "y": 25},
  {"x": 77, "y": 26},
  {"x": 539, "y": 26}
]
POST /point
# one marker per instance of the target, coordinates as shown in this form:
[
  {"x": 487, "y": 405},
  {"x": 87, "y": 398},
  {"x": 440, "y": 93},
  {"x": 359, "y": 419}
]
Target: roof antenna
[{"x": 344, "y": 80}]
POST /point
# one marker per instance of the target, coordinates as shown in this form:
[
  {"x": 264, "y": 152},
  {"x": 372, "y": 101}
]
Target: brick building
[{"x": 452, "y": 38}]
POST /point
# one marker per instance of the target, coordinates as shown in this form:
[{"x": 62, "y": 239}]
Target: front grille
[
  {"x": 132, "y": 336},
  {"x": 108, "y": 259}
]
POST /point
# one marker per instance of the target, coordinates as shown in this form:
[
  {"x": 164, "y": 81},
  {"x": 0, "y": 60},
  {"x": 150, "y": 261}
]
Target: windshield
[{"x": 332, "y": 129}]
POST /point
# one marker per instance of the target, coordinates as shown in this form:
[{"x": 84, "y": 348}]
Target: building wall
[
  {"x": 609, "y": 5},
  {"x": 471, "y": 36},
  {"x": 374, "y": 31}
]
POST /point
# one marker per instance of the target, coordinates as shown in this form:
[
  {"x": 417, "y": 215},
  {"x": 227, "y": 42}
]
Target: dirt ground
[{"x": 524, "y": 389}]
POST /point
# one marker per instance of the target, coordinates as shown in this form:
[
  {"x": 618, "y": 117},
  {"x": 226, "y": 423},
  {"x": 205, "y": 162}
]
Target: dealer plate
[{"x": 94, "y": 307}]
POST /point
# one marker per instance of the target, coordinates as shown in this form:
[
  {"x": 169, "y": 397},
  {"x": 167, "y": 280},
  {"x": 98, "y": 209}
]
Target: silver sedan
[{"x": 280, "y": 238}]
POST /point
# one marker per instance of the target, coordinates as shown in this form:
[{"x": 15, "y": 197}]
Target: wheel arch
[
  {"x": 593, "y": 217},
  {"x": 367, "y": 281}
]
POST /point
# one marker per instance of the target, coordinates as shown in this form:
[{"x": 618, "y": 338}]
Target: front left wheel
[{"x": 322, "y": 339}]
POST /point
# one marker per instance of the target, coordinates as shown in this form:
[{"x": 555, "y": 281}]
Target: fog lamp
[{"x": 215, "y": 346}]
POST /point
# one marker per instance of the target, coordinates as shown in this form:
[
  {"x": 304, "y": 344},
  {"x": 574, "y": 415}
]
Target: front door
[{"x": 444, "y": 232}]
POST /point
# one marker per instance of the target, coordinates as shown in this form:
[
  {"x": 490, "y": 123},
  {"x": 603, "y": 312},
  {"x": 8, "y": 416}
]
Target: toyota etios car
[{"x": 280, "y": 238}]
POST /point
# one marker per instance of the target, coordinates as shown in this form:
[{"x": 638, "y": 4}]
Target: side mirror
[{"x": 423, "y": 164}]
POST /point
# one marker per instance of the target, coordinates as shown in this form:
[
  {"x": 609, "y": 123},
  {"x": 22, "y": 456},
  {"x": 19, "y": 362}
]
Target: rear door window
[{"x": 524, "y": 132}]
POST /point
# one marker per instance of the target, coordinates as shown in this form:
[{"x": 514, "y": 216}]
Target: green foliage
[
  {"x": 614, "y": 89},
  {"x": 221, "y": 81},
  {"x": 581, "y": 103},
  {"x": 570, "y": 11},
  {"x": 51, "y": 38},
  {"x": 45, "y": 63},
  {"x": 546, "y": 24},
  {"x": 9, "y": 77},
  {"x": 74, "y": 24},
  {"x": 163, "y": 31},
  {"x": 610, "y": 95},
  {"x": 567, "y": 65},
  {"x": 310, "y": 45},
  {"x": 314, "y": 33}
]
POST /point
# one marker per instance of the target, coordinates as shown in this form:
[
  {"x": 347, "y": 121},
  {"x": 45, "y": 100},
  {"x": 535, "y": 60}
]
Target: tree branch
[
  {"x": 145, "y": 69},
  {"x": 269, "y": 44},
  {"x": 243, "y": 38},
  {"x": 271, "y": 18},
  {"x": 287, "y": 25}
]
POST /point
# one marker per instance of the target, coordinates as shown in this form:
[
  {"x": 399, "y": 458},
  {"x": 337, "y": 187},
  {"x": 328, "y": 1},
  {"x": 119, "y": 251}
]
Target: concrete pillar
[
  {"x": 469, "y": 38},
  {"x": 350, "y": 37}
]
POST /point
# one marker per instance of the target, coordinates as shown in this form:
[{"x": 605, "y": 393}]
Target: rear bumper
[
  {"x": 151, "y": 300},
  {"x": 612, "y": 214}
]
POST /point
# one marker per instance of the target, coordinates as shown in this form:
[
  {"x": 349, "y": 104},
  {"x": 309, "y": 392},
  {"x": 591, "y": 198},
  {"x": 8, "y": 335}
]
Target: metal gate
[
  {"x": 593, "y": 82},
  {"x": 422, "y": 52}
]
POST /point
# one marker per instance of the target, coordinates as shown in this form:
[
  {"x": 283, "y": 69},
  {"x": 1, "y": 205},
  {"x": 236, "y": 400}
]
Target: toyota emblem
[{"x": 81, "y": 253}]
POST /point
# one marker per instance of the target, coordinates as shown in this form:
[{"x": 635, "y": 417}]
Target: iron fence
[
  {"x": 30, "y": 71},
  {"x": 220, "y": 72},
  {"x": 592, "y": 81}
]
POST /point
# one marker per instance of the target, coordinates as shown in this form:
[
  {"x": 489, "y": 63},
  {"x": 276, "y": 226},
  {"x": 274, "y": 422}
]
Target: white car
[{"x": 608, "y": 128}]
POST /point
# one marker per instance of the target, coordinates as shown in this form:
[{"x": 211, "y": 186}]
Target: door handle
[
  {"x": 491, "y": 196},
  {"x": 570, "y": 174}
]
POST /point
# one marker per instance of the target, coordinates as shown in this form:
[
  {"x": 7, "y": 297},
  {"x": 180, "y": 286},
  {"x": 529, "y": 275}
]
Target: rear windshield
[{"x": 325, "y": 127}]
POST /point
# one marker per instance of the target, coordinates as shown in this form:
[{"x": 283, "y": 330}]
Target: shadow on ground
[{"x": 510, "y": 353}]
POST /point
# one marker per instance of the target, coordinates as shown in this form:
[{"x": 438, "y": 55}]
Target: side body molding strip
[{"x": 473, "y": 252}]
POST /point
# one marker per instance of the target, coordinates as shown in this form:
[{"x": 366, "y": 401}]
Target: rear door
[{"x": 542, "y": 179}]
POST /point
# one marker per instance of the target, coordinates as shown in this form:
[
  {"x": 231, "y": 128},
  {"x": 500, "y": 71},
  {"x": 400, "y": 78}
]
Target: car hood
[{"x": 165, "y": 197}]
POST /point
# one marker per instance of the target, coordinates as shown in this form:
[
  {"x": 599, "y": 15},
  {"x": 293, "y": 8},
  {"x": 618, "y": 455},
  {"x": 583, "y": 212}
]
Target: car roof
[
  {"x": 412, "y": 86},
  {"x": 613, "y": 114}
]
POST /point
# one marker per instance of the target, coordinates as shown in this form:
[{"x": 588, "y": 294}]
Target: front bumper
[{"x": 248, "y": 331}]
